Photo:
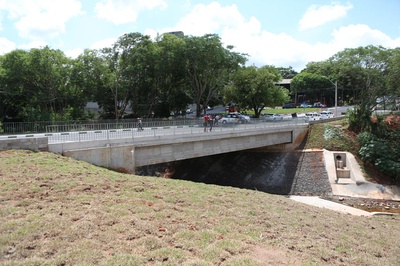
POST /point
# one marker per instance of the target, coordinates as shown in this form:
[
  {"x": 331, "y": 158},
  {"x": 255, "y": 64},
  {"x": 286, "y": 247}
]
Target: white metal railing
[{"x": 154, "y": 131}]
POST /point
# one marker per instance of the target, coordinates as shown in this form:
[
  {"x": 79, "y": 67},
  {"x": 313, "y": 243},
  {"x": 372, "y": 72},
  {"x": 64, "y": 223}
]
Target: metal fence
[
  {"x": 69, "y": 126},
  {"x": 151, "y": 129}
]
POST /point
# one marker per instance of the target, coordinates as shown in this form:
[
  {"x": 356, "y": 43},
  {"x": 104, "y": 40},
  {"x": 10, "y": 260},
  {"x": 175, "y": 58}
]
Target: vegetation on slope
[{"x": 58, "y": 211}]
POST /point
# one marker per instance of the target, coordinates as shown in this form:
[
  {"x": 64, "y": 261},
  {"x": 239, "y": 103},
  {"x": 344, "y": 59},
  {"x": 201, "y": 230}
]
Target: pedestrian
[
  {"x": 216, "y": 120},
  {"x": 211, "y": 122},
  {"x": 205, "y": 122},
  {"x": 139, "y": 124}
]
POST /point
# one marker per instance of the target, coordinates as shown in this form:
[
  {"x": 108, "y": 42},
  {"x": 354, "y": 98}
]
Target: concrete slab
[
  {"x": 321, "y": 203},
  {"x": 356, "y": 186}
]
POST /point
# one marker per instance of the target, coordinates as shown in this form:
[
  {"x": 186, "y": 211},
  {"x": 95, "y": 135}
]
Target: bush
[
  {"x": 364, "y": 138},
  {"x": 383, "y": 154}
]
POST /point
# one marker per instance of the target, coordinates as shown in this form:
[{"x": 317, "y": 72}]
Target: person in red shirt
[{"x": 205, "y": 122}]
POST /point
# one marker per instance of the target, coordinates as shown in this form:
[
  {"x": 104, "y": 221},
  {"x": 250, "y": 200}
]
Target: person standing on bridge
[
  {"x": 216, "y": 119},
  {"x": 139, "y": 124},
  {"x": 205, "y": 122},
  {"x": 211, "y": 122}
]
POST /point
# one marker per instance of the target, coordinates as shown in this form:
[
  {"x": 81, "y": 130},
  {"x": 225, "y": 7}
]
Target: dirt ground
[{"x": 369, "y": 205}]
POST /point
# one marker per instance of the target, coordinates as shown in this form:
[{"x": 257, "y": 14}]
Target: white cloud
[
  {"x": 38, "y": 20},
  {"x": 125, "y": 11},
  {"x": 266, "y": 48},
  {"x": 6, "y": 46},
  {"x": 360, "y": 35},
  {"x": 210, "y": 19},
  {"x": 74, "y": 53},
  {"x": 317, "y": 16},
  {"x": 104, "y": 43},
  {"x": 33, "y": 44},
  {"x": 263, "y": 48}
]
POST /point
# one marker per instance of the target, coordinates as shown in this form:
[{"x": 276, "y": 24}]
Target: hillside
[{"x": 58, "y": 211}]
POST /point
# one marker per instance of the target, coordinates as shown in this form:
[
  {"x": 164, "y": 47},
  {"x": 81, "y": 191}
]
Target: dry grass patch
[{"x": 58, "y": 211}]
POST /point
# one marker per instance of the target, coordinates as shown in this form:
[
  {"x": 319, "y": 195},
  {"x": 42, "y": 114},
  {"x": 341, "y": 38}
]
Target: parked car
[
  {"x": 319, "y": 105},
  {"x": 287, "y": 117},
  {"x": 312, "y": 116},
  {"x": 232, "y": 119},
  {"x": 327, "y": 114},
  {"x": 288, "y": 106},
  {"x": 273, "y": 117},
  {"x": 248, "y": 119},
  {"x": 305, "y": 105}
]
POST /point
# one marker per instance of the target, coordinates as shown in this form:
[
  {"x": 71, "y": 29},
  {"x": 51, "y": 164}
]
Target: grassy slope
[{"x": 58, "y": 211}]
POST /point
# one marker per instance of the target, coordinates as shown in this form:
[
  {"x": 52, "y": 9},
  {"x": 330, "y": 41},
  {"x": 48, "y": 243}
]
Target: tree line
[{"x": 150, "y": 78}]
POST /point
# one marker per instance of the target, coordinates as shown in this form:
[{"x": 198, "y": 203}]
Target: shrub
[
  {"x": 364, "y": 138},
  {"x": 383, "y": 154}
]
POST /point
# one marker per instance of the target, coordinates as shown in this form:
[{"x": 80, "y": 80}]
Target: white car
[
  {"x": 248, "y": 119},
  {"x": 312, "y": 116},
  {"x": 327, "y": 114},
  {"x": 273, "y": 117},
  {"x": 233, "y": 118},
  {"x": 287, "y": 117}
]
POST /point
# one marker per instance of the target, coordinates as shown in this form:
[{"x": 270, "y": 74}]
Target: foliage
[
  {"x": 330, "y": 136},
  {"x": 36, "y": 84},
  {"x": 287, "y": 72},
  {"x": 383, "y": 155},
  {"x": 254, "y": 88},
  {"x": 393, "y": 75},
  {"x": 365, "y": 137},
  {"x": 381, "y": 147},
  {"x": 314, "y": 86},
  {"x": 208, "y": 67},
  {"x": 152, "y": 78},
  {"x": 360, "y": 119}
]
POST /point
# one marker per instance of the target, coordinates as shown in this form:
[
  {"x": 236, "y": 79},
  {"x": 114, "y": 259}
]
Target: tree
[
  {"x": 365, "y": 71},
  {"x": 208, "y": 66},
  {"x": 92, "y": 77},
  {"x": 168, "y": 75},
  {"x": 38, "y": 84},
  {"x": 255, "y": 88},
  {"x": 315, "y": 86},
  {"x": 393, "y": 77},
  {"x": 125, "y": 62},
  {"x": 287, "y": 72},
  {"x": 13, "y": 83}
]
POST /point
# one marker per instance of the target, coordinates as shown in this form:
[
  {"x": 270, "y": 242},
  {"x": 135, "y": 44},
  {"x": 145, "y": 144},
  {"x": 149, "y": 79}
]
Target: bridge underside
[{"x": 128, "y": 154}]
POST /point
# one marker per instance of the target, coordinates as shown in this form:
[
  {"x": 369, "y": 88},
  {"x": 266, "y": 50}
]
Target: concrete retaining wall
[{"x": 28, "y": 143}]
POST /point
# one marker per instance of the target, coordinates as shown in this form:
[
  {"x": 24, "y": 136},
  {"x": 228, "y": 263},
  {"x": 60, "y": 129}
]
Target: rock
[{"x": 11, "y": 250}]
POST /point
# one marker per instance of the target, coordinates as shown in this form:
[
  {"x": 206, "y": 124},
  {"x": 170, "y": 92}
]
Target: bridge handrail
[{"x": 160, "y": 129}]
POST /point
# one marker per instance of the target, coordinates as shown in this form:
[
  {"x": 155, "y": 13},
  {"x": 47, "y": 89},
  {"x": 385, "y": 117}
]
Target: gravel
[{"x": 311, "y": 178}]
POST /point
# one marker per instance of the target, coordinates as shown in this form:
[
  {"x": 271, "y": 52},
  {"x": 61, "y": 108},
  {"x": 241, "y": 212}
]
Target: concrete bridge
[
  {"x": 126, "y": 154},
  {"x": 126, "y": 149}
]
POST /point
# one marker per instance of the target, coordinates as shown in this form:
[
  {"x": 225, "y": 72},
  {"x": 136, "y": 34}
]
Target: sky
[{"x": 282, "y": 33}]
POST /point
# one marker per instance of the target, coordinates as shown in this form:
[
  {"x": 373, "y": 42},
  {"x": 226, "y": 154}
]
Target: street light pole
[
  {"x": 335, "y": 93},
  {"x": 335, "y": 98}
]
